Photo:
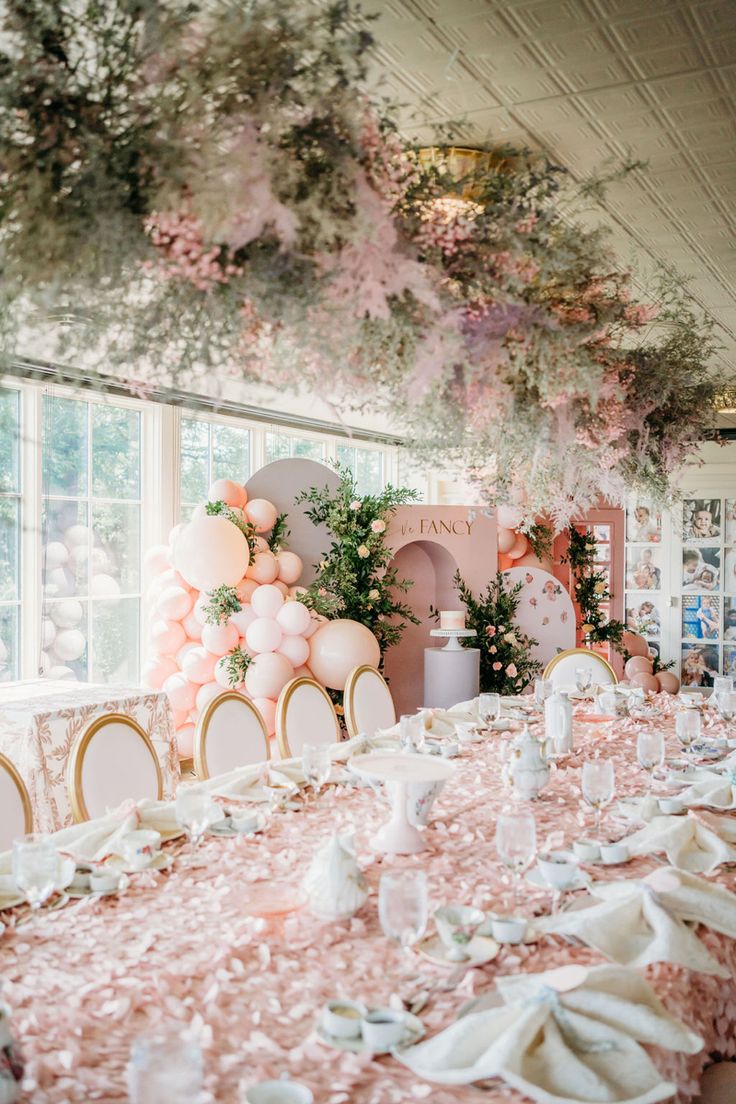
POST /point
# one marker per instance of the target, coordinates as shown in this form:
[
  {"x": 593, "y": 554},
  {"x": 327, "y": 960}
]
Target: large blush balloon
[
  {"x": 668, "y": 683},
  {"x": 645, "y": 681},
  {"x": 261, "y": 514},
  {"x": 167, "y": 637},
  {"x": 339, "y": 646},
  {"x": 211, "y": 552},
  {"x": 156, "y": 559},
  {"x": 56, "y": 555},
  {"x": 294, "y": 618},
  {"x": 506, "y": 538},
  {"x": 229, "y": 492},
  {"x": 530, "y": 560},
  {"x": 185, "y": 741},
  {"x": 156, "y": 671},
  {"x": 505, "y": 561},
  {"x": 268, "y": 674},
  {"x": 206, "y": 693},
  {"x": 519, "y": 547},
  {"x": 509, "y": 517},
  {"x": 69, "y": 644},
  {"x": 199, "y": 666},
  {"x": 263, "y": 635},
  {"x": 638, "y": 665},
  {"x": 67, "y": 613},
  {"x": 180, "y": 691},
  {"x": 634, "y": 644},
  {"x": 267, "y": 709},
  {"x": 290, "y": 567},
  {"x": 242, "y": 619},
  {"x": 219, "y": 639},
  {"x": 174, "y": 603},
  {"x": 263, "y": 568},
  {"x": 192, "y": 626},
  {"x": 295, "y": 648},
  {"x": 267, "y": 601}
]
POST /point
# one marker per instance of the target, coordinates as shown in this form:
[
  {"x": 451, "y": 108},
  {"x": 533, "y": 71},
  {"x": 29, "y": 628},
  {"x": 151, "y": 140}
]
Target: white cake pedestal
[
  {"x": 452, "y": 673},
  {"x": 398, "y": 836}
]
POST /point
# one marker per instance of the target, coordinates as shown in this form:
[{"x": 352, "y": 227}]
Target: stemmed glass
[
  {"x": 164, "y": 1065},
  {"x": 722, "y": 684},
  {"x": 35, "y": 868},
  {"x": 411, "y": 732},
  {"x": 726, "y": 703},
  {"x": 403, "y": 908},
  {"x": 193, "y": 811},
  {"x": 489, "y": 708},
  {"x": 316, "y": 764},
  {"x": 598, "y": 786},
  {"x": 542, "y": 690},
  {"x": 650, "y": 752},
  {"x": 583, "y": 679},
  {"x": 516, "y": 844},
  {"x": 687, "y": 727}
]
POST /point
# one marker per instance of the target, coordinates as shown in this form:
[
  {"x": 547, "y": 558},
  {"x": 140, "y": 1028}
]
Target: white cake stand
[
  {"x": 453, "y": 637},
  {"x": 398, "y": 836}
]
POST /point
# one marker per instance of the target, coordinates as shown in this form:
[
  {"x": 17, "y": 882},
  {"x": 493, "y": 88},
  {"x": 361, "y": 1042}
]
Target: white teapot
[{"x": 528, "y": 769}]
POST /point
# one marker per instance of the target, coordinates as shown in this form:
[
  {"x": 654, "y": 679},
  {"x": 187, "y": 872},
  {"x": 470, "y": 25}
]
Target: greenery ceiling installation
[{"x": 208, "y": 186}]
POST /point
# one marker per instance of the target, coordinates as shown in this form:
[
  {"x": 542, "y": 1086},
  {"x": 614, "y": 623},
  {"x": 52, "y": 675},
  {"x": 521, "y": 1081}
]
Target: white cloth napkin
[
  {"x": 711, "y": 788},
  {"x": 633, "y": 923},
  {"x": 581, "y": 1046},
  {"x": 698, "y": 842}
]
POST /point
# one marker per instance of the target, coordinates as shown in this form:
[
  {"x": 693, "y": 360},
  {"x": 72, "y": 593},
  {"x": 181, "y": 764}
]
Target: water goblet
[
  {"x": 726, "y": 704},
  {"x": 411, "y": 732},
  {"x": 316, "y": 764},
  {"x": 164, "y": 1065},
  {"x": 543, "y": 688},
  {"x": 35, "y": 868},
  {"x": 687, "y": 727},
  {"x": 193, "y": 811},
  {"x": 722, "y": 684},
  {"x": 650, "y": 752},
  {"x": 598, "y": 786},
  {"x": 489, "y": 708},
  {"x": 516, "y": 844},
  {"x": 583, "y": 679},
  {"x": 403, "y": 909}
]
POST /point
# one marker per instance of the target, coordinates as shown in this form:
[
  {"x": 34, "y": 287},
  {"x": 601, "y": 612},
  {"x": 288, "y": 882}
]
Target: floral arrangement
[
  {"x": 591, "y": 590},
  {"x": 210, "y": 187},
  {"x": 223, "y": 601},
  {"x": 506, "y": 664},
  {"x": 354, "y": 579}
]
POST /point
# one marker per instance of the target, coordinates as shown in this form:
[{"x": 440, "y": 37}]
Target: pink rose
[
  {"x": 497, "y": 666},
  {"x": 501, "y": 628},
  {"x": 355, "y": 505},
  {"x": 491, "y": 630},
  {"x": 493, "y": 649},
  {"x": 378, "y": 526},
  {"x": 511, "y": 670}
]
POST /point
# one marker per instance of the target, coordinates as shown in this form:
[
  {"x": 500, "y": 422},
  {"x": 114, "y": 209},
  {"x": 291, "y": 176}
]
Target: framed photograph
[
  {"x": 701, "y": 569},
  {"x": 701, "y": 520},
  {"x": 701, "y": 617},
  {"x": 699, "y": 664},
  {"x": 729, "y": 571},
  {"x": 729, "y": 522},
  {"x": 643, "y": 569},
  {"x": 643, "y": 616},
  {"x": 729, "y": 619},
  {"x": 729, "y": 660},
  {"x": 643, "y": 522}
]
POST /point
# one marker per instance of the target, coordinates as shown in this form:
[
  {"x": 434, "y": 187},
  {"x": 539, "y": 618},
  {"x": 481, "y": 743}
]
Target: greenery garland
[{"x": 591, "y": 591}]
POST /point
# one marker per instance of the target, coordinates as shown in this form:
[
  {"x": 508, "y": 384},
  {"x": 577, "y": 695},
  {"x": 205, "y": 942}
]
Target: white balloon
[
  {"x": 62, "y": 673},
  {"x": 48, "y": 632},
  {"x": 67, "y": 613},
  {"x": 104, "y": 586},
  {"x": 64, "y": 585},
  {"x": 76, "y": 534},
  {"x": 69, "y": 644},
  {"x": 56, "y": 555},
  {"x": 98, "y": 560},
  {"x": 211, "y": 552},
  {"x": 78, "y": 557}
]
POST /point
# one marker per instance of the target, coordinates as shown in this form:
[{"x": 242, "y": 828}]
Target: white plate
[
  {"x": 160, "y": 861},
  {"x": 79, "y": 894},
  {"x": 226, "y": 830},
  {"x": 580, "y": 881},
  {"x": 480, "y": 949},
  {"x": 413, "y": 1032}
]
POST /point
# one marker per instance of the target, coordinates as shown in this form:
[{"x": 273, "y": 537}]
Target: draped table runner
[
  {"x": 180, "y": 945},
  {"x": 41, "y": 720}
]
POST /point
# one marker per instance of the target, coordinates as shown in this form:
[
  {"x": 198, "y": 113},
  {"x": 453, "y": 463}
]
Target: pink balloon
[
  {"x": 199, "y": 666},
  {"x": 192, "y": 626},
  {"x": 184, "y": 652},
  {"x": 295, "y": 591},
  {"x": 506, "y": 538},
  {"x": 242, "y": 619},
  {"x": 645, "y": 681},
  {"x": 171, "y": 577},
  {"x": 509, "y": 517},
  {"x": 263, "y": 568},
  {"x": 222, "y": 675},
  {"x": 181, "y": 692},
  {"x": 638, "y": 665},
  {"x": 199, "y": 511},
  {"x": 290, "y": 567},
  {"x": 156, "y": 671},
  {"x": 261, "y": 544},
  {"x": 179, "y": 717},
  {"x": 261, "y": 514},
  {"x": 245, "y": 589},
  {"x": 211, "y": 552},
  {"x": 263, "y": 635},
  {"x": 294, "y": 618},
  {"x": 519, "y": 547},
  {"x": 267, "y": 600},
  {"x": 156, "y": 559},
  {"x": 219, "y": 639},
  {"x": 339, "y": 646},
  {"x": 281, "y": 586},
  {"x": 174, "y": 603},
  {"x": 206, "y": 693},
  {"x": 267, "y": 709},
  {"x": 185, "y": 741},
  {"x": 635, "y": 644},
  {"x": 303, "y": 672},
  {"x": 295, "y": 648},
  {"x": 229, "y": 492},
  {"x": 174, "y": 534},
  {"x": 668, "y": 682},
  {"x": 316, "y": 619},
  {"x": 268, "y": 674},
  {"x": 199, "y": 607},
  {"x": 167, "y": 637}
]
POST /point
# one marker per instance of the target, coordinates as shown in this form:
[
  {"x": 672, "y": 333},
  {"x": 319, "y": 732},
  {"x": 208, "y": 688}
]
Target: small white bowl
[
  {"x": 612, "y": 853},
  {"x": 245, "y": 820},
  {"x": 450, "y": 749},
  {"x": 383, "y": 1028},
  {"x": 508, "y": 929},
  {"x": 282, "y": 1091},
  {"x": 468, "y": 732},
  {"x": 558, "y": 868},
  {"x": 104, "y": 881},
  {"x": 80, "y": 881},
  {"x": 587, "y": 850},
  {"x": 672, "y": 806},
  {"x": 342, "y": 1018}
]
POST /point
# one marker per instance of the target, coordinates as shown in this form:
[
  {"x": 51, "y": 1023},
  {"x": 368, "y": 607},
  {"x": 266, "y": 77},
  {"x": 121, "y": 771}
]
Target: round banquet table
[{"x": 90, "y": 977}]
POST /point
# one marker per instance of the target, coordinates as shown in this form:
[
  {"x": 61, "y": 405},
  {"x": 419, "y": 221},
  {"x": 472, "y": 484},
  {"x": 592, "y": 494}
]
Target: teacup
[
  {"x": 614, "y": 853},
  {"x": 282, "y": 1091},
  {"x": 468, "y": 732},
  {"x": 245, "y": 820},
  {"x": 672, "y": 806},
  {"x": 383, "y": 1028},
  {"x": 342, "y": 1018},
  {"x": 104, "y": 881},
  {"x": 559, "y": 868},
  {"x": 587, "y": 850},
  {"x": 457, "y": 924},
  {"x": 82, "y": 873},
  {"x": 508, "y": 929},
  {"x": 139, "y": 847},
  {"x": 450, "y": 749}
]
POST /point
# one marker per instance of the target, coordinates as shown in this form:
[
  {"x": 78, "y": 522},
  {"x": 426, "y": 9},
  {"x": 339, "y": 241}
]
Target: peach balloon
[
  {"x": 645, "y": 681},
  {"x": 634, "y": 644},
  {"x": 211, "y": 552},
  {"x": 267, "y": 600},
  {"x": 174, "y": 534},
  {"x": 227, "y": 491},
  {"x": 263, "y": 568},
  {"x": 339, "y": 646},
  {"x": 267, "y": 709},
  {"x": 504, "y": 561},
  {"x": 268, "y": 674},
  {"x": 261, "y": 514},
  {"x": 638, "y": 665},
  {"x": 219, "y": 639},
  {"x": 199, "y": 607},
  {"x": 179, "y": 717},
  {"x": 668, "y": 682},
  {"x": 185, "y": 741},
  {"x": 295, "y": 591},
  {"x": 281, "y": 586},
  {"x": 245, "y": 589},
  {"x": 263, "y": 635},
  {"x": 295, "y": 648},
  {"x": 242, "y": 619},
  {"x": 199, "y": 666},
  {"x": 206, "y": 693},
  {"x": 171, "y": 577},
  {"x": 156, "y": 559},
  {"x": 519, "y": 547},
  {"x": 183, "y": 652},
  {"x": 303, "y": 672},
  {"x": 506, "y": 538},
  {"x": 174, "y": 603},
  {"x": 290, "y": 567},
  {"x": 156, "y": 671},
  {"x": 509, "y": 517},
  {"x": 261, "y": 544},
  {"x": 181, "y": 692},
  {"x": 530, "y": 560},
  {"x": 294, "y": 618},
  {"x": 192, "y": 626},
  {"x": 167, "y": 637},
  {"x": 222, "y": 675}
]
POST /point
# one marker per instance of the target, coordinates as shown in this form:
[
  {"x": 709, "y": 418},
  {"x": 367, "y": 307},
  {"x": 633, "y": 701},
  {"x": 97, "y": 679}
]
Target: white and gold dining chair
[
  {"x": 113, "y": 760},
  {"x": 230, "y": 733},
  {"x": 304, "y": 715},
  {"x": 16, "y": 816},
  {"x": 561, "y": 669},
  {"x": 367, "y": 701}
]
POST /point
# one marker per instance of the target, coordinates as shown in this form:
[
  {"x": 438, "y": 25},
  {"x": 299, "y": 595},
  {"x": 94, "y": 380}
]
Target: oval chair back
[
  {"x": 561, "y": 669},
  {"x": 16, "y": 816},
  {"x": 230, "y": 733},
  {"x": 112, "y": 761},
  {"x": 368, "y": 702},
  {"x": 304, "y": 715}
]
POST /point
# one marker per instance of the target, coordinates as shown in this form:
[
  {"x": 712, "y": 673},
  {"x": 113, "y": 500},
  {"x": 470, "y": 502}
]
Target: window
[
  {"x": 366, "y": 464},
  {"x": 91, "y": 524},
  {"x": 209, "y": 451},
  {"x": 280, "y": 446},
  {"x": 10, "y": 521}
]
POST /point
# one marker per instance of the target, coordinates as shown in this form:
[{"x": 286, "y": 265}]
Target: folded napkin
[
  {"x": 698, "y": 842},
  {"x": 638, "y": 922},
  {"x": 559, "y": 1044},
  {"x": 718, "y": 790}
]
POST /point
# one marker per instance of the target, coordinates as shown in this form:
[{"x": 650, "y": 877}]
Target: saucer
[
  {"x": 79, "y": 894},
  {"x": 413, "y": 1032},
  {"x": 480, "y": 949},
  {"x": 226, "y": 830},
  {"x": 580, "y": 881},
  {"x": 160, "y": 861}
]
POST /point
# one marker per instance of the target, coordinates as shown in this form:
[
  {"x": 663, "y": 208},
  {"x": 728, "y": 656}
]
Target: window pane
[
  {"x": 64, "y": 446},
  {"x": 116, "y": 549},
  {"x": 314, "y": 450},
  {"x": 9, "y": 537},
  {"x": 277, "y": 447},
  {"x": 369, "y": 470},
  {"x": 9, "y": 643},
  {"x": 346, "y": 456},
  {"x": 65, "y": 548},
  {"x": 9, "y": 440},
  {"x": 230, "y": 453},
  {"x": 116, "y": 452},
  {"x": 65, "y": 636},
  {"x": 195, "y": 437},
  {"x": 115, "y": 641}
]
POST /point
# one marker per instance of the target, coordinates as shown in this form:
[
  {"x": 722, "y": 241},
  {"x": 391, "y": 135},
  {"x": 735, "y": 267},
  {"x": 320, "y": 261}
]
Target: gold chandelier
[{"x": 462, "y": 163}]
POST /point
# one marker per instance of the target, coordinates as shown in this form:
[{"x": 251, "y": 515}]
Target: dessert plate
[{"x": 480, "y": 949}]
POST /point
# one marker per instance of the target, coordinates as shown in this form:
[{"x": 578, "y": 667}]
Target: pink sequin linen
[{"x": 92, "y": 976}]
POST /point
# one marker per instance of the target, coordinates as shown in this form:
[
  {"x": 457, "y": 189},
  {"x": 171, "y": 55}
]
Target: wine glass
[
  {"x": 411, "y": 732},
  {"x": 35, "y": 868},
  {"x": 722, "y": 684},
  {"x": 193, "y": 810},
  {"x": 403, "y": 907},
  {"x": 516, "y": 844},
  {"x": 489, "y": 708},
  {"x": 316, "y": 764},
  {"x": 650, "y": 752},
  {"x": 542, "y": 690},
  {"x": 164, "y": 1065},
  {"x": 726, "y": 703},
  {"x": 687, "y": 727},
  {"x": 598, "y": 786},
  {"x": 583, "y": 679}
]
